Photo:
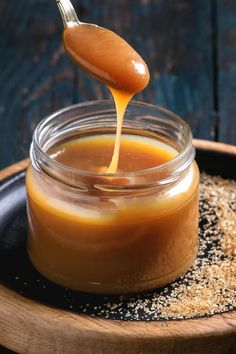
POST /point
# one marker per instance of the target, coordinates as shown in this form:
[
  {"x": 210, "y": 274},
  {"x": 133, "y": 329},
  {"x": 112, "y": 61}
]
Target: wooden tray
[{"x": 29, "y": 326}]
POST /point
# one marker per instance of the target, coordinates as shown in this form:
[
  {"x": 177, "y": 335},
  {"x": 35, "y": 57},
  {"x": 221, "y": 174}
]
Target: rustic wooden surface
[
  {"x": 226, "y": 63},
  {"x": 30, "y": 327},
  {"x": 188, "y": 45}
]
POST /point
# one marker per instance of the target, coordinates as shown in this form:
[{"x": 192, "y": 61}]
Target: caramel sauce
[
  {"x": 110, "y": 59},
  {"x": 106, "y": 56},
  {"x": 92, "y": 153},
  {"x": 109, "y": 243}
]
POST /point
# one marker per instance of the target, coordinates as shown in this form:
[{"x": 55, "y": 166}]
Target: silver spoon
[
  {"x": 68, "y": 13},
  {"x": 102, "y": 53}
]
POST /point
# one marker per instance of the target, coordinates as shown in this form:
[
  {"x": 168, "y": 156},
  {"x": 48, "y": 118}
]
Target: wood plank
[
  {"x": 226, "y": 50},
  {"x": 34, "y": 72},
  {"x": 174, "y": 37}
]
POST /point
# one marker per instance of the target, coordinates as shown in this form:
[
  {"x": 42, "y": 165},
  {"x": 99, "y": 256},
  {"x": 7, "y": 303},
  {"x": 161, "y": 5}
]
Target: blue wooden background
[{"x": 189, "y": 45}]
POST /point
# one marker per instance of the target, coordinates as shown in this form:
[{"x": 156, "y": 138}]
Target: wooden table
[{"x": 188, "y": 45}]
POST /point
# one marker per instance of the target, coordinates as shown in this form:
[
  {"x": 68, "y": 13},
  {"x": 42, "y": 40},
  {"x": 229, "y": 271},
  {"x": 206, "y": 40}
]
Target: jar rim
[{"x": 177, "y": 160}]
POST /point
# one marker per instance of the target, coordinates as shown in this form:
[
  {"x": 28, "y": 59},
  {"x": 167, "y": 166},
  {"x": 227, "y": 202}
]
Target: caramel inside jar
[{"x": 111, "y": 242}]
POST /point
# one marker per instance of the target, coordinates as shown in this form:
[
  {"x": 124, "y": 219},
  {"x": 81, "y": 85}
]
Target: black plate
[{"x": 17, "y": 273}]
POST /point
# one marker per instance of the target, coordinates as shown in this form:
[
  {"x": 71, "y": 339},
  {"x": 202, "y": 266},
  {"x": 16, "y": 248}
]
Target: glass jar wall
[{"x": 116, "y": 233}]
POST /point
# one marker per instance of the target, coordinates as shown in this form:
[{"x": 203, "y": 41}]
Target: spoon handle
[{"x": 68, "y": 13}]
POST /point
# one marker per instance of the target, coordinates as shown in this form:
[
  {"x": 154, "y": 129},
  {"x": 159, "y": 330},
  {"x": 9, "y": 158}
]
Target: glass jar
[{"x": 116, "y": 233}]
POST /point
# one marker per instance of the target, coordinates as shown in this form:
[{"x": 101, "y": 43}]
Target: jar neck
[{"x": 95, "y": 117}]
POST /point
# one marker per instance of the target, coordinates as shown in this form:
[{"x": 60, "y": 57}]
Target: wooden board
[
  {"x": 30, "y": 327},
  {"x": 226, "y": 82},
  {"x": 36, "y": 77}
]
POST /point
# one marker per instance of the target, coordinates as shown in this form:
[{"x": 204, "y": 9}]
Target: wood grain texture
[
  {"x": 213, "y": 146},
  {"x": 30, "y": 327},
  {"x": 226, "y": 62},
  {"x": 31, "y": 72},
  {"x": 37, "y": 78}
]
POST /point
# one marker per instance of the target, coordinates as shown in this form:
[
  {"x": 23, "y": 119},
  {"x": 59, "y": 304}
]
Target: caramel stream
[
  {"x": 110, "y": 59},
  {"x": 122, "y": 100}
]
